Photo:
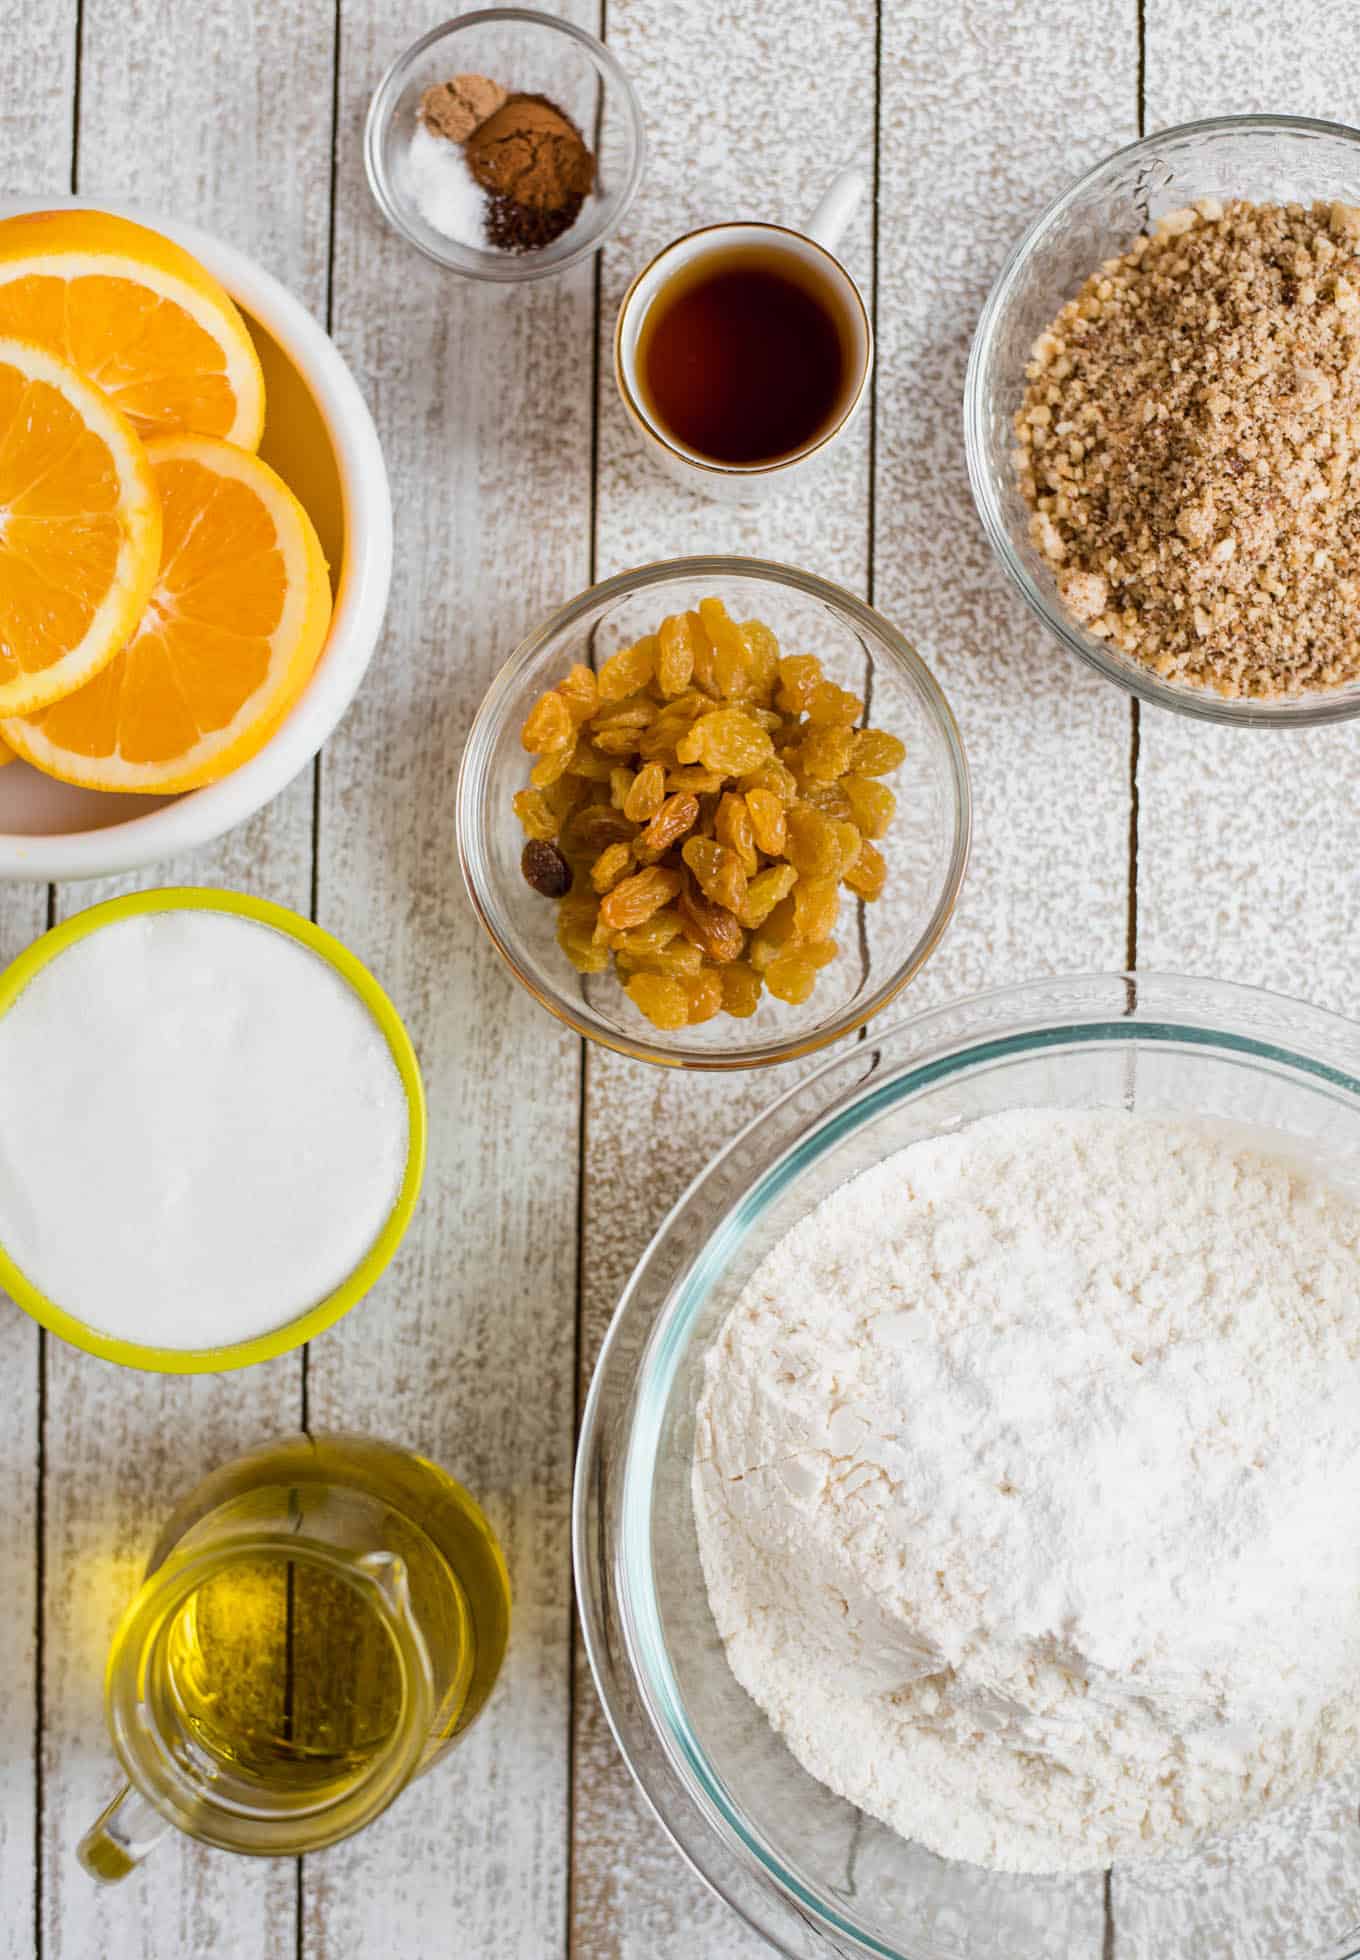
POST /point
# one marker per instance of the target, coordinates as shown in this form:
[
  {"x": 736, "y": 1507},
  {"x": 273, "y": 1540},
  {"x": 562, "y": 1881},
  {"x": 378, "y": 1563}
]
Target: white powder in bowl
[
  {"x": 440, "y": 184},
  {"x": 1026, "y": 1478},
  {"x": 202, "y": 1129}
]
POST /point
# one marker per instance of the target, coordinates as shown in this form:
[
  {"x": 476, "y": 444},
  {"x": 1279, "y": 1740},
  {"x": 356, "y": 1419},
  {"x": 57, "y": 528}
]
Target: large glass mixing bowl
[{"x": 807, "y": 1870}]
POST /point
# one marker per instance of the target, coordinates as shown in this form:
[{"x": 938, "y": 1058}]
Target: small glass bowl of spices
[{"x": 505, "y": 144}]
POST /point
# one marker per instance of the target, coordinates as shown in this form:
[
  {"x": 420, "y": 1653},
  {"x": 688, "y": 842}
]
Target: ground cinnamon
[{"x": 533, "y": 163}]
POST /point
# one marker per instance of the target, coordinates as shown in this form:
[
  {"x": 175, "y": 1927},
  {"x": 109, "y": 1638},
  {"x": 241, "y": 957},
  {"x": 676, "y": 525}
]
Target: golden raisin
[
  {"x": 639, "y": 896},
  {"x": 613, "y": 863},
  {"x": 594, "y": 828},
  {"x": 700, "y": 745},
  {"x": 876, "y": 753},
  {"x": 550, "y": 768},
  {"x": 616, "y": 741},
  {"x": 727, "y": 740},
  {"x": 627, "y": 671},
  {"x": 581, "y": 692},
  {"x": 767, "y": 821},
  {"x": 712, "y": 928},
  {"x": 763, "y": 650},
  {"x": 634, "y": 711},
  {"x": 651, "y": 935},
  {"x": 871, "y": 804},
  {"x": 662, "y": 999},
  {"x": 813, "y": 848},
  {"x": 586, "y": 761},
  {"x": 704, "y": 782},
  {"x": 791, "y": 978},
  {"x": 647, "y": 794},
  {"x": 718, "y": 871},
  {"x": 676, "y": 640},
  {"x": 777, "y": 934},
  {"x": 576, "y": 919},
  {"x": 563, "y": 796},
  {"x": 764, "y": 892},
  {"x": 678, "y": 958},
  {"x": 705, "y": 993},
  {"x": 774, "y": 777},
  {"x": 824, "y": 753},
  {"x": 548, "y": 726},
  {"x": 830, "y": 706},
  {"x": 799, "y": 674},
  {"x": 732, "y": 826},
  {"x": 829, "y": 798},
  {"x": 531, "y": 807},
  {"x": 868, "y": 874},
  {"x": 849, "y": 846},
  {"x": 816, "y": 903},
  {"x": 672, "y": 821},
  {"x": 741, "y": 986}
]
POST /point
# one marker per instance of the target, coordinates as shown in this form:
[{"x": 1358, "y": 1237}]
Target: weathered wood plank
[
  {"x": 35, "y": 154},
  {"x": 986, "y": 113},
  {"x": 219, "y": 114},
  {"x": 1253, "y": 875},
  {"x": 482, "y": 398},
  {"x": 811, "y": 70},
  {"x": 1250, "y": 874}
]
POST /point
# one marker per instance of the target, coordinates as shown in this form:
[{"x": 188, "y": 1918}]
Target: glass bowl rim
[
  {"x": 887, "y": 641},
  {"x": 937, "y": 1049},
  {"x": 1200, "y": 704},
  {"x": 516, "y": 269}
]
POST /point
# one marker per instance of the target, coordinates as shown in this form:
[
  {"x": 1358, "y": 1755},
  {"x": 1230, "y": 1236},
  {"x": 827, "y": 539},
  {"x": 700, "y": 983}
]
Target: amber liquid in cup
[{"x": 744, "y": 356}]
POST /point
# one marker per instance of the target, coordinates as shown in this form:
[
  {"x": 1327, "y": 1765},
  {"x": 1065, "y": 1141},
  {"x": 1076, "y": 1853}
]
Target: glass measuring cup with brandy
[{"x": 319, "y": 1622}]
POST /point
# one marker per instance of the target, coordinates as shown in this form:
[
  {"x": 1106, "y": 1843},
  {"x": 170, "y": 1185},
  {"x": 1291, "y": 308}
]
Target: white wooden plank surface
[
  {"x": 1253, "y": 875},
  {"x": 219, "y": 113},
  {"x": 483, "y": 401},
  {"x": 35, "y": 151},
  {"x": 808, "y": 69},
  {"x": 988, "y": 111}
]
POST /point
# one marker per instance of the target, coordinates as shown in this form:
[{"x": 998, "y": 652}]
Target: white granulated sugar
[
  {"x": 1026, "y": 1477},
  {"x": 441, "y": 185},
  {"x": 202, "y": 1129}
]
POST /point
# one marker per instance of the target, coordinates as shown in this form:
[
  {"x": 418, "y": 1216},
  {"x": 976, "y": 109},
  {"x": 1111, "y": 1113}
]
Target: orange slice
[
  {"x": 138, "y": 316},
  {"x": 80, "y": 529},
  {"x": 6, "y": 755},
  {"x": 227, "y": 643}
]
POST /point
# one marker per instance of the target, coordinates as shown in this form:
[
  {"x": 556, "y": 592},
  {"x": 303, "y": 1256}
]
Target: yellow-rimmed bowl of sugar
[{"x": 223, "y": 1130}]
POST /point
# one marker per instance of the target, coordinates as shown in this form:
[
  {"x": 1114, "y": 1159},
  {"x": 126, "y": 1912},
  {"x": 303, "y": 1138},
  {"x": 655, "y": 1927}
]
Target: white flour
[{"x": 1028, "y": 1488}]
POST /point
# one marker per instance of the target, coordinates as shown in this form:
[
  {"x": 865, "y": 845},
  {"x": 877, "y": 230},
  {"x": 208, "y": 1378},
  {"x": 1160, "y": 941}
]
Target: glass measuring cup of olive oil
[{"x": 319, "y": 1621}]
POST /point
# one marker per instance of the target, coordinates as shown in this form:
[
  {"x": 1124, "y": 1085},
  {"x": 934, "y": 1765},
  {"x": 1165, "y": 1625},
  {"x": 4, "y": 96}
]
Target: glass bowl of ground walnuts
[
  {"x": 1162, "y": 417},
  {"x": 714, "y": 813}
]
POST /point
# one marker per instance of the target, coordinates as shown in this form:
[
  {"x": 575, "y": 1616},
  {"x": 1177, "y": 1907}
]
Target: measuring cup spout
[{"x": 121, "y": 1836}]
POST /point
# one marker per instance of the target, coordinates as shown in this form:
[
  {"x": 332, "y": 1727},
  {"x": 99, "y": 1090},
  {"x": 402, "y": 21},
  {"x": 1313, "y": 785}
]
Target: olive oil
[{"x": 279, "y": 1667}]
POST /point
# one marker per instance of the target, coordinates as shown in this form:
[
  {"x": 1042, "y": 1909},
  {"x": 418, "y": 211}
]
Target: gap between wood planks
[{"x": 40, "y": 1466}]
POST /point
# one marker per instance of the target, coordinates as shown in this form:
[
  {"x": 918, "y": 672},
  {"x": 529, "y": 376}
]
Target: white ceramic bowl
[{"x": 320, "y": 437}]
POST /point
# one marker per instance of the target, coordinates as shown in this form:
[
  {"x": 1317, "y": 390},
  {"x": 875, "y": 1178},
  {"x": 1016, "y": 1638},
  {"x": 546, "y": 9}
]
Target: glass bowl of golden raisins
[{"x": 714, "y": 813}]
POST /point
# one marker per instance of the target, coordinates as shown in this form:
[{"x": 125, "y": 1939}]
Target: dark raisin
[{"x": 545, "y": 868}]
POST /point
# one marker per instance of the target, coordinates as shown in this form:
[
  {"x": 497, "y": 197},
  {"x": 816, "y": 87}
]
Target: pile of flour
[{"x": 1027, "y": 1481}]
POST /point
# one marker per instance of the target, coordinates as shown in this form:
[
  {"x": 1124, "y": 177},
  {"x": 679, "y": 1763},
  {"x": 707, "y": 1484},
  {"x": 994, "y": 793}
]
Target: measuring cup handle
[
  {"x": 827, "y": 224},
  {"x": 121, "y": 1836}
]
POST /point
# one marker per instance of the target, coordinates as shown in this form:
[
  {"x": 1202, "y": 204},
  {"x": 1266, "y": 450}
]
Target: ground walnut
[{"x": 709, "y": 799}]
